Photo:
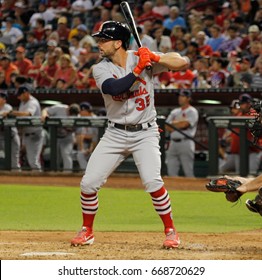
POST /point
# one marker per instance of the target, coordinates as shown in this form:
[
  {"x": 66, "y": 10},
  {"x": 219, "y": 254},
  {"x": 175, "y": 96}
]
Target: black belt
[
  {"x": 178, "y": 140},
  {"x": 130, "y": 127},
  {"x": 28, "y": 134}
]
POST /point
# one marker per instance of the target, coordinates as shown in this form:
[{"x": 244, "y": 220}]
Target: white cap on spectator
[
  {"x": 52, "y": 43},
  {"x": 253, "y": 28},
  {"x": 48, "y": 27},
  {"x": 20, "y": 4}
]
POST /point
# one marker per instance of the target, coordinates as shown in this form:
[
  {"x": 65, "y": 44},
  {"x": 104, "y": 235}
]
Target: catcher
[{"x": 235, "y": 187}]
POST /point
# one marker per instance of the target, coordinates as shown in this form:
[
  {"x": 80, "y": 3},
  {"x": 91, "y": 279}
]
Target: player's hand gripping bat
[{"x": 131, "y": 24}]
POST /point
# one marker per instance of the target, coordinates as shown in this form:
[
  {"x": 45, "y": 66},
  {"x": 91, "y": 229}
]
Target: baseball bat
[{"x": 125, "y": 8}]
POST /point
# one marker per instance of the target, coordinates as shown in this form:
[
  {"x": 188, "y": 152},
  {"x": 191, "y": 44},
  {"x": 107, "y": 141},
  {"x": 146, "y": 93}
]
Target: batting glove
[
  {"x": 153, "y": 56},
  {"x": 144, "y": 60}
]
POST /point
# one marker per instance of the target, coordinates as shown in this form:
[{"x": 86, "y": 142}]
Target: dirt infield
[{"x": 22, "y": 245}]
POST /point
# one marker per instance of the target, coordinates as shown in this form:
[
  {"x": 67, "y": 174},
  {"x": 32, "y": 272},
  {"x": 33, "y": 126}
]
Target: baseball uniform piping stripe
[
  {"x": 160, "y": 199},
  {"x": 88, "y": 199},
  {"x": 89, "y": 209}
]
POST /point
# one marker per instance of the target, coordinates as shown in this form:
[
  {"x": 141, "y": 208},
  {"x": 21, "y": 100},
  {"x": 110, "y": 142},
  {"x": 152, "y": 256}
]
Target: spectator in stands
[
  {"x": 51, "y": 46},
  {"x": 32, "y": 45},
  {"x": 233, "y": 62},
  {"x": 47, "y": 15},
  {"x": 62, "y": 30},
  {"x": 34, "y": 70},
  {"x": 182, "y": 79},
  {"x": 208, "y": 21},
  {"x": 216, "y": 38},
  {"x": 23, "y": 64},
  {"x": 75, "y": 47},
  {"x": 227, "y": 13},
  {"x": 23, "y": 14},
  {"x": 178, "y": 32},
  {"x": 84, "y": 35},
  {"x": 8, "y": 67},
  {"x": 39, "y": 29},
  {"x": 235, "y": 78},
  {"x": 232, "y": 43},
  {"x": 3, "y": 85},
  {"x": 181, "y": 150},
  {"x": 148, "y": 14},
  {"x": 51, "y": 34},
  {"x": 76, "y": 20},
  {"x": 66, "y": 71},
  {"x": 60, "y": 84},
  {"x": 146, "y": 40},
  {"x": 11, "y": 35},
  {"x": 105, "y": 16},
  {"x": 47, "y": 72},
  {"x": 6, "y": 108},
  {"x": 254, "y": 34},
  {"x": 181, "y": 47},
  {"x": 161, "y": 8},
  {"x": 254, "y": 52},
  {"x": 65, "y": 135},
  {"x": 81, "y": 6},
  {"x": 203, "y": 48},
  {"x": 174, "y": 19},
  {"x": 86, "y": 137},
  {"x": 161, "y": 43},
  {"x": 163, "y": 80},
  {"x": 218, "y": 75},
  {"x": 32, "y": 137},
  {"x": 246, "y": 80},
  {"x": 193, "y": 51},
  {"x": 257, "y": 78}
]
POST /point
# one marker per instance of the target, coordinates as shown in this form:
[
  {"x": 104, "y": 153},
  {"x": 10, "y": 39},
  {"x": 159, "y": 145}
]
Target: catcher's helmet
[{"x": 115, "y": 31}]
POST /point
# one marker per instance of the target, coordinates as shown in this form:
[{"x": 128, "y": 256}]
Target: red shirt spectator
[
  {"x": 23, "y": 64},
  {"x": 148, "y": 14},
  {"x": 46, "y": 74},
  {"x": 37, "y": 64},
  {"x": 226, "y": 13},
  {"x": 182, "y": 79}
]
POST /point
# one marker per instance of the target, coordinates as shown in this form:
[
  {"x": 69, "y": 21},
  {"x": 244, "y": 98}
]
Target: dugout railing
[{"x": 53, "y": 123}]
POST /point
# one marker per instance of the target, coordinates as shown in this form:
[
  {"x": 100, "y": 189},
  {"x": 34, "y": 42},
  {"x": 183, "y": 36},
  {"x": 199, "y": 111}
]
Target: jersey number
[{"x": 142, "y": 103}]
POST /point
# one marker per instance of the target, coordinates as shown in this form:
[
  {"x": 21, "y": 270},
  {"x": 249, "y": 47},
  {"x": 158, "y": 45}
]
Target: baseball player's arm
[
  {"x": 171, "y": 60},
  {"x": 174, "y": 61},
  {"x": 19, "y": 114},
  {"x": 180, "y": 124},
  {"x": 249, "y": 184},
  {"x": 44, "y": 114}
]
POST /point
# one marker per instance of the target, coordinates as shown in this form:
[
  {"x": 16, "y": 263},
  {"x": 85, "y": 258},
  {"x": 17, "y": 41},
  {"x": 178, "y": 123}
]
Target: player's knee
[
  {"x": 153, "y": 186},
  {"x": 90, "y": 185}
]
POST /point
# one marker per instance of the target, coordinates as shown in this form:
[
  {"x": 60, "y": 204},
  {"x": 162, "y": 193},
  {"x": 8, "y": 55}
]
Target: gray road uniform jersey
[
  {"x": 135, "y": 107},
  {"x": 65, "y": 137},
  {"x": 32, "y": 136},
  {"x": 15, "y": 140},
  {"x": 82, "y": 155},
  {"x": 181, "y": 149}
]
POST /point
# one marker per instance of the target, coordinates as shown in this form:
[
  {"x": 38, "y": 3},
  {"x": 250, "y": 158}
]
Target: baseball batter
[{"x": 128, "y": 92}]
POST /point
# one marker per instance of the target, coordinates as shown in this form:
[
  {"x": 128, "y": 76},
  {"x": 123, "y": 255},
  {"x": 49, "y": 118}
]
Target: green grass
[{"x": 58, "y": 208}]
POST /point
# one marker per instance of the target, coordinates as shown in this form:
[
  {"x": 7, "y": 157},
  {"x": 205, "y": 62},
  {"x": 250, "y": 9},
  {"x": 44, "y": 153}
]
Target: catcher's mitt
[{"x": 228, "y": 186}]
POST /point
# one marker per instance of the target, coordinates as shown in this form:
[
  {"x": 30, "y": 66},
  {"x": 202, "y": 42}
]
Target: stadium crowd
[
  {"x": 48, "y": 44},
  {"x": 50, "y": 41}
]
